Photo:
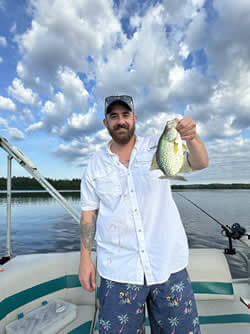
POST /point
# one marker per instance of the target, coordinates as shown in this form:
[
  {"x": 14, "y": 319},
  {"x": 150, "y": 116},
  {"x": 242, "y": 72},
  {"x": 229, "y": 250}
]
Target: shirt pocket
[
  {"x": 143, "y": 162},
  {"x": 108, "y": 184}
]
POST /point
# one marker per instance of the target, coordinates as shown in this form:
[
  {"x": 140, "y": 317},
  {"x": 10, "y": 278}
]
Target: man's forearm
[
  {"x": 198, "y": 156},
  {"x": 87, "y": 232}
]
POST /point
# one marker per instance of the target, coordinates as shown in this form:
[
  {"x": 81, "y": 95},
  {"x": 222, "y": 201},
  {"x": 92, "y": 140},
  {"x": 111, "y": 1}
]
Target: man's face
[{"x": 120, "y": 123}]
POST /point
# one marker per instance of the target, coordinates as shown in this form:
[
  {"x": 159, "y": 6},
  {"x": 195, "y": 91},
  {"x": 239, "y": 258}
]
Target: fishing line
[
  {"x": 232, "y": 232},
  {"x": 197, "y": 206}
]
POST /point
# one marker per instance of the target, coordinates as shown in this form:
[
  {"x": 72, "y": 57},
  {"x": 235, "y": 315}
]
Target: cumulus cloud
[
  {"x": 1, "y": 60},
  {"x": 85, "y": 26},
  {"x": 21, "y": 94},
  {"x": 78, "y": 151},
  {"x": 35, "y": 126},
  {"x": 15, "y": 134},
  {"x": 12, "y": 133},
  {"x": 3, "y": 122},
  {"x": 27, "y": 116},
  {"x": 2, "y": 4},
  {"x": 3, "y": 41},
  {"x": 79, "y": 124},
  {"x": 7, "y": 104},
  {"x": 174, "y": 57},
  {"x": 73, "y": 87}
]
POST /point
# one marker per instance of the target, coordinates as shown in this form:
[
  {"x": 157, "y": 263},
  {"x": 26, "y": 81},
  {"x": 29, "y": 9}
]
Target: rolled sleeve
[{"x": 89, "y": 198}]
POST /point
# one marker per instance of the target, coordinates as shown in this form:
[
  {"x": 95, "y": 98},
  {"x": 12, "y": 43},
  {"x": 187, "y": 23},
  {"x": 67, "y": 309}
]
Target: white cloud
[
  {"x": 13, "y": 28},
  {"x": 7, "y": 104},
  {"x": 3, "y": 122},
  {"x": 55, "y": 111},
  {"x": 21, "y": 94},
  {"x": 65, "y": 34},
  {"x": 27, "y": 116},
  {"x": 3, "y": 41},
  {"x": 138, "y": 49},
  {"x": 78, "y": 151},
  {"x": 15, "y": 133},
  {"x": 81, "y": 124},
  {"x": 1, "y": 60},
  {"x": 72, "y": 87},
  {"x": 35, "y": 126}
]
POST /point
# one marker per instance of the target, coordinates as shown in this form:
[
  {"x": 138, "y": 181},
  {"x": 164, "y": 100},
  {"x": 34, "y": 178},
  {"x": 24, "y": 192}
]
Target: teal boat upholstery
[{"x": 31, "y": 280}]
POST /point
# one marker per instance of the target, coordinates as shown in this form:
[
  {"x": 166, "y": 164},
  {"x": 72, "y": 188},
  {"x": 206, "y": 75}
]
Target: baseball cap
[{"x": 122, "y": 99}]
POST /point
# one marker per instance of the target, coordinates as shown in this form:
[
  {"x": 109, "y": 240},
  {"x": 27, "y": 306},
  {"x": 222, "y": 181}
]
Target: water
[{"x": 40, "y": 225}]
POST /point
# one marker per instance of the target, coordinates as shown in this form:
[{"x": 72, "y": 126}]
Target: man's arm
[
  {"x": 198, "y": 156},
  {"x": 87, "y": 231},
  {"x": 87, "y": 270}
]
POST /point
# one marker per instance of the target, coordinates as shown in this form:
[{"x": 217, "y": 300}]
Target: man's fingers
[
  {"x": 93, "y": 279},
  {"x": 86, "y": 284}
]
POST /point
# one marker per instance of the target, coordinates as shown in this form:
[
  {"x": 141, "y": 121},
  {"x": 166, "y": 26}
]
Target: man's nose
[{"x": 121, "y": 119}]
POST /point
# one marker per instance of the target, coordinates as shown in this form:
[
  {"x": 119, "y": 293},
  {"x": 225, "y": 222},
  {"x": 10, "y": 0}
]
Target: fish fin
[
  {"x": 175, "y": 148},
  {"x": 177, "y": 177},
  {"x": 154, "y": 164}
]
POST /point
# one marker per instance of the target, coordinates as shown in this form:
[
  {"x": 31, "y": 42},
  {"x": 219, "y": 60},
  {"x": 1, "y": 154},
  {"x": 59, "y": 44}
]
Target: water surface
[{"x": 40, "y": 225}]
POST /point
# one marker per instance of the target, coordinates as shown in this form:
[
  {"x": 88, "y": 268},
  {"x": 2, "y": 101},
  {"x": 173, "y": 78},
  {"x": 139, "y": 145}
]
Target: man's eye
[{"x": 113, "y": 116}]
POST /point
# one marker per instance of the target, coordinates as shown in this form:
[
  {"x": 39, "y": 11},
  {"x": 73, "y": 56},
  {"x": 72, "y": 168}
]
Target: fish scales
[{"x": 169, "y": 157}]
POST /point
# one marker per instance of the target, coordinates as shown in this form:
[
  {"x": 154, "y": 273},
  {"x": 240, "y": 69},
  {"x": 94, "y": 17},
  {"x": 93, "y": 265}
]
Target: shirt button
[
  {"x": 132, "y": 190},
  {"x": 139, "y": 230},
  {"x": 142, "y": 250}
]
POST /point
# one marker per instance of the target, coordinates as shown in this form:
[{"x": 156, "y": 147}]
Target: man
[{"x": 142, "y": 249}]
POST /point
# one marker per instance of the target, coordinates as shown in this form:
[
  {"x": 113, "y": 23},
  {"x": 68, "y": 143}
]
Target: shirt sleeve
[
  {"x": 89, "y": 198},
  {"x": 186, "y": 168}
]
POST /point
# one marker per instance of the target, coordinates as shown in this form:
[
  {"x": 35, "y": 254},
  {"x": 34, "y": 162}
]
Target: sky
[{"x": 177, "y": 58}]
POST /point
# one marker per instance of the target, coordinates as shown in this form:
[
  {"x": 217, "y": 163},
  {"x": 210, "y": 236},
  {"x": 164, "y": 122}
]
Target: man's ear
[
  {"x": 105, "y": 122},
  {"x": 135, "y": 117}
]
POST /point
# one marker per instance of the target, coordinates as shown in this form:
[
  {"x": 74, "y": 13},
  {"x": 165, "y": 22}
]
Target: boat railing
[{"x": 15, "y": 153}]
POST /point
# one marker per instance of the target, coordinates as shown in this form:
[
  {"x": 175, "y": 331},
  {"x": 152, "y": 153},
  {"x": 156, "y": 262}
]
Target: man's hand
[
  {"x": 87, "y": 275},
  {"x": 187, "y": 128},
  {"x": 197, "y": 156}
]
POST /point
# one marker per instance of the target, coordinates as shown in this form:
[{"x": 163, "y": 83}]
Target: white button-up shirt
[{"x": 138, "y": 229}]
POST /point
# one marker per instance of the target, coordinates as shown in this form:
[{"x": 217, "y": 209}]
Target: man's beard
[{"x": 125, "y": 137}]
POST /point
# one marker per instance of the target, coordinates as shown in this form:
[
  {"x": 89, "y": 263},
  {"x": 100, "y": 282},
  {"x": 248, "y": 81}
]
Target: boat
[{"x": 42, "y": 294}]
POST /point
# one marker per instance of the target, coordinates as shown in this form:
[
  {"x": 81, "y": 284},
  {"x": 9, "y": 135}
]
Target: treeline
[
  {"x": 213, "y": 186},
  {"x": 28, "y": 183}
]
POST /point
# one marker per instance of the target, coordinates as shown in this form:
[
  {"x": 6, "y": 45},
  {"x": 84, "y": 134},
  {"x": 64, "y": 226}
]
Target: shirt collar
[{"x": 138, "y": 140}]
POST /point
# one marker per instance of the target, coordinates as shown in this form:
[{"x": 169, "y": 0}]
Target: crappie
[{"x": 169, "y": 156}]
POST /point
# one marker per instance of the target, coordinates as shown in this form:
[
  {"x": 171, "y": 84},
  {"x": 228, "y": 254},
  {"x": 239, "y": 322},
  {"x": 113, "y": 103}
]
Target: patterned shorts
[{"x": 171, "y": 307}]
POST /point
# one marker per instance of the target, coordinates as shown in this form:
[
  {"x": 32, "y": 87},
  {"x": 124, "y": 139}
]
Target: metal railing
[{"x": 26, "y": 163}]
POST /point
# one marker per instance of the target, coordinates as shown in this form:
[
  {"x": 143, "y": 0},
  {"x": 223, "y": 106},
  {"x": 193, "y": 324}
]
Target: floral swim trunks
[{"x": 171, "y": 307}]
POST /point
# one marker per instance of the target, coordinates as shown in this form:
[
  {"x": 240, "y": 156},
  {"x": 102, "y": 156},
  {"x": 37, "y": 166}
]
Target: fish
[{"x": 169, "y": 156}]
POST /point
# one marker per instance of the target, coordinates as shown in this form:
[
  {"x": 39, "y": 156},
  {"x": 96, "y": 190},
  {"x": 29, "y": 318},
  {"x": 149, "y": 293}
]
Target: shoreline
[{"x": 213, "y": 186}]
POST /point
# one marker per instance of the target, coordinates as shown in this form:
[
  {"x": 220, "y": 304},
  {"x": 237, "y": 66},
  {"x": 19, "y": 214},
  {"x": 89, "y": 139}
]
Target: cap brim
[{"x": 117, "y": 102}]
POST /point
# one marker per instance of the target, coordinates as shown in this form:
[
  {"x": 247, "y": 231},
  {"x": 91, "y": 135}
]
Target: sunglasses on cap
[{"x": 128, "y": 100}]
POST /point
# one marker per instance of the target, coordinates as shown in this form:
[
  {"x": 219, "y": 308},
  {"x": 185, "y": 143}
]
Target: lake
[{"x": 40, "y": 225}]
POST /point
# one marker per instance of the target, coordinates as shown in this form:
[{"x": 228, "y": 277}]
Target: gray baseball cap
[{"x": 125, "y": 100}]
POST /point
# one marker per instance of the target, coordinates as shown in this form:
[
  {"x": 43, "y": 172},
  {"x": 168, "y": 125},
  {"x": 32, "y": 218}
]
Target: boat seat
[{"x": 210, "y": 274}]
